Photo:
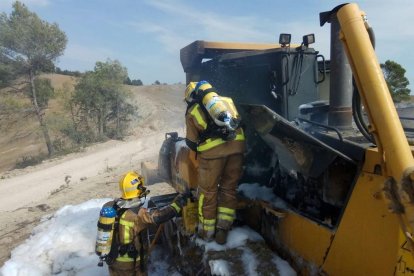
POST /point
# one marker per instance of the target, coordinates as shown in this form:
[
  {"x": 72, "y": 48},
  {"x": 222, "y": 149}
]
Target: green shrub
[
  {"x": 29, "y": 160},
  {"x": 79, "y": 137}
]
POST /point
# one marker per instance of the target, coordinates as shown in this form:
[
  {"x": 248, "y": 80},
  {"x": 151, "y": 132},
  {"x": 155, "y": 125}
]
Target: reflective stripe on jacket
[
  {"x": 126, "y": 233},
  {"x": 200, "y": 122},
  {"x": 214, "y": 142}
]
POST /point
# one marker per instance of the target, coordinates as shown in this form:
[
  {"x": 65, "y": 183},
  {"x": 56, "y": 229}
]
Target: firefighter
[
  {"x": 213, "y": 133},
  {"x": 128, "y": 253}
]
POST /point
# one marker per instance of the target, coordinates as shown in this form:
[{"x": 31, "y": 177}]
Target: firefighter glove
[{"x": 180, "y": 201}]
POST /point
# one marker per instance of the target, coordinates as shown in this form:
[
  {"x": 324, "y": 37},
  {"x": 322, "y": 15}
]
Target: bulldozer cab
[{"x": 282, "y": 77}]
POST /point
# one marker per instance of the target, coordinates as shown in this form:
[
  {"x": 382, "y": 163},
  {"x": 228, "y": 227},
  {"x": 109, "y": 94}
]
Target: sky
[
  {"x": 64, "y": 243},
  {"x": 146, "y": 36}
]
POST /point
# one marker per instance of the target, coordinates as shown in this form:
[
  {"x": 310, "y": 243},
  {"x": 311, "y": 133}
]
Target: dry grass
[
  {"x": 20, "y": 135},
  {"x": 58, "y": 81},
  {"x": 21, "y": 138}
]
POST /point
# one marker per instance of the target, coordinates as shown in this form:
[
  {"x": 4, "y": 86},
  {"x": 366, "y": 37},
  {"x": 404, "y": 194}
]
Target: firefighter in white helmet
[
  {"x": 128, "y": 253},
  {"x": 213, "y": 131}
]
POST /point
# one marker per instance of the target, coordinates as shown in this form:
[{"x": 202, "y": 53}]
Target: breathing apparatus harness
[
  {"x": 213, "y": 130},
  {"x": 118, "y": 249}
]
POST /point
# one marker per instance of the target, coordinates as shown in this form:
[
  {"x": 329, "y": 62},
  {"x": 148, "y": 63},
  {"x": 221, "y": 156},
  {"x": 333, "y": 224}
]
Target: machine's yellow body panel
[
  {"x": 395, "y": 154},
  {"x": 366, "y": 241},
  {"x": 184, "y": 169},
  {"x": 303, "y": 237}
]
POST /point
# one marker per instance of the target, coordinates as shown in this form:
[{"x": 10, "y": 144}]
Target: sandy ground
[{"x": 29, "y": 194}]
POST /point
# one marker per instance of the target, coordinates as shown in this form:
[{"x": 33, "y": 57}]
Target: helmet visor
[{"x": 140, "y": 185}]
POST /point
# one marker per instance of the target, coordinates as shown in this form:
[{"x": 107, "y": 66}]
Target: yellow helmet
[
  {"x": 131, "y": 185},
  {"x": 188, "y": 96},
  {"x": 193, "y": 88}
]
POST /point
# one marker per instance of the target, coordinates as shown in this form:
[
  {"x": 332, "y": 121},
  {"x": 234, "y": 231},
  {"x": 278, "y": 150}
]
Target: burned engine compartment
[{"x": 310, "y": 167}]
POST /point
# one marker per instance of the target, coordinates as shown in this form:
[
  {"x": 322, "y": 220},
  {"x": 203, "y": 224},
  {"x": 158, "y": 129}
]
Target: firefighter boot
[
  {"x": 207, "y": 236},
  {"x": 221, "y": 236}
]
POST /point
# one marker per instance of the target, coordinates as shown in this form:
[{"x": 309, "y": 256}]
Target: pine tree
[
  {"x": 31, "y": 45},
  {"x": 396, "y": 81}
]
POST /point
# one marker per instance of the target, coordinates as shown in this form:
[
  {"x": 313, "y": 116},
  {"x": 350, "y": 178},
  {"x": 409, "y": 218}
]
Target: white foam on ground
[
  {"x": 219, "y": 267},
  {"x": 237, "y": 238},
  {"x": 64, "y": 244},
  {"x": 250, "y": 262},
  {"x": 284, "y": 267}
]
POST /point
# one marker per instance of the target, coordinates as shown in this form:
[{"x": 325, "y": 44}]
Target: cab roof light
[
  {"x": 284, "y": 39},
  {"x": 308, "y": 39}
]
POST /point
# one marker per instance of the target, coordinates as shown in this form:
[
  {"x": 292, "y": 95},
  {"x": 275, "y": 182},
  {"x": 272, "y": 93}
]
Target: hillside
[
  {"x": 21, "y": 137},
  {"x": 78, "y": 177}
]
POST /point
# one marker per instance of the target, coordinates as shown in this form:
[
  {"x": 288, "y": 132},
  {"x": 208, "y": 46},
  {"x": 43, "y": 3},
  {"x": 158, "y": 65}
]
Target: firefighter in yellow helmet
[
  {"x": 128, "y": 252},
  {"x": 213, "y": 131}
]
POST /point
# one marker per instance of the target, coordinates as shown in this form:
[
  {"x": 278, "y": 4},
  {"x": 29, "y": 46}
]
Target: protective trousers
[
  {"x": 218, "y": 179},
  {"x": 126, "y": 269}
]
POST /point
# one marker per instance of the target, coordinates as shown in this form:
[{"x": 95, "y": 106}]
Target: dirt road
[{"x": 32, "y": 193}]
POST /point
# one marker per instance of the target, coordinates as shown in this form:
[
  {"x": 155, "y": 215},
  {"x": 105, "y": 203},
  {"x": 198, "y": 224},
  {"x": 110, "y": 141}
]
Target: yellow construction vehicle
[{"x": 339, "y": 160}]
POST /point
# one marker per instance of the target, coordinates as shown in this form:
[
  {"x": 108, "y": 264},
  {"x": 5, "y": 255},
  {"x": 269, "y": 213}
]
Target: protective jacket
[
  {"x": 209, "y": 145},
  {"x": 128, "y": 237},
  {"x": 220, "y": 168}
]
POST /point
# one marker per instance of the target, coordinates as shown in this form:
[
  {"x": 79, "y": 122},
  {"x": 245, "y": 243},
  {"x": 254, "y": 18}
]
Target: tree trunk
[
  {"x": 39, "y": 115},
  {"x": 118, "y": 121},
  {"x": 73, "y": 115},
  {"x": 100, "y": 123},
  {"x": 104, "y": 114}
]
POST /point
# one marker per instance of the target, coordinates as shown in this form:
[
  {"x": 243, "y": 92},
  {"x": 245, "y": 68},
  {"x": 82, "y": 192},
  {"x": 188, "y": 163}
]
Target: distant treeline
[
  {"x": 133, "y": 82},
  {"x": 67, "y": 72},
  {"x": 127, "y": 81}
]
